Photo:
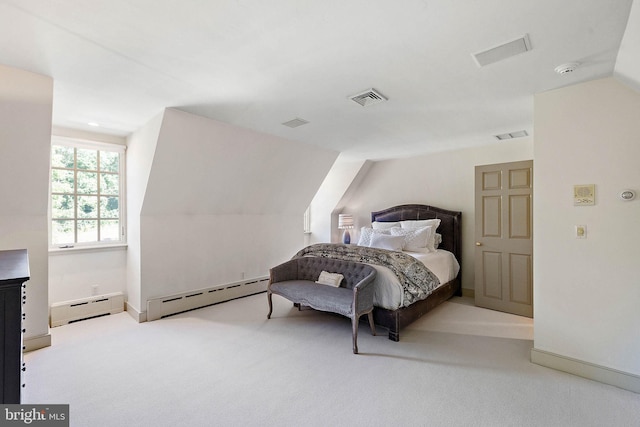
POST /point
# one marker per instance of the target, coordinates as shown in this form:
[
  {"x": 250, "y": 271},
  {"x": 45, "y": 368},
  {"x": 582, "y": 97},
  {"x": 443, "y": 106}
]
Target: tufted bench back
[{"x": 309, "y": 268}]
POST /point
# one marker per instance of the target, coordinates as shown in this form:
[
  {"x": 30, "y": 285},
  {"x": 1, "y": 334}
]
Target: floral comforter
[{"x": 416, "y": 279}]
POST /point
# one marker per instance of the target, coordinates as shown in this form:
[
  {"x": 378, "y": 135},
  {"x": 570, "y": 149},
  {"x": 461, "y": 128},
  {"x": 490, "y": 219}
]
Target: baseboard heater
[
  {"x": 66, "y": 312},
  {"x": 157, "y": 308}
]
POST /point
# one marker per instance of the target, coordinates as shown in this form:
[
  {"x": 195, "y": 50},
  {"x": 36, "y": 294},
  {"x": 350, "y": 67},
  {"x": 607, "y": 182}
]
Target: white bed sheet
[{"x": 388, "y": 291}]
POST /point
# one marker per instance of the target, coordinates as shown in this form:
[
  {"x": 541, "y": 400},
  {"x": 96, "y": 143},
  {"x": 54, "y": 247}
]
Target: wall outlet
[
  {"x": 581, "y": 231},
  {"x": 94, "y": 289}
]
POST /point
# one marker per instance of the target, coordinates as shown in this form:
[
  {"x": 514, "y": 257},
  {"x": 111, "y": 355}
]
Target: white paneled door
[{"x": 504, "y": 237}]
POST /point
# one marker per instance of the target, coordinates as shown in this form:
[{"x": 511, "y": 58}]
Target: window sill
[{"x": 96, "y": 248}]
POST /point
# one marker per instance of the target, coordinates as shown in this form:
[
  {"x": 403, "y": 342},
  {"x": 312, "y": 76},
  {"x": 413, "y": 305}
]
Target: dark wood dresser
[{"x": 14, "y": 271}]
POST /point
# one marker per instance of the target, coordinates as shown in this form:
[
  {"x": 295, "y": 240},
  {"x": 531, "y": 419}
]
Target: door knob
[{"x": 478, "y": 244}]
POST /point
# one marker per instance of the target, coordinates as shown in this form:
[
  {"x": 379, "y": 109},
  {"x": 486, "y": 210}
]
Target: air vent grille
[
  {"x": 368, "y": 97},
  {"x": 295, "y": 122},
  {"x": 511, "y": 135},
  {"x": 503, "y": 51}
]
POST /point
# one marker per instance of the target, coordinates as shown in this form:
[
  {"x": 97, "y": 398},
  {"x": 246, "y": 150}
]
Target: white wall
[
  {"x": 25, "y": 135},
  {"x": 221, "y": 203},
  {"x": 72, "y": 275},
  {"x": 587, "y": 292},
  {"x": 141, "y": 146},
  {"x": 187, "y": 252},
  {"x": 444, "y": 179}
]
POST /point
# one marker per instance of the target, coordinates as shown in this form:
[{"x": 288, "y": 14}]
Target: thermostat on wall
[
  {"x": 584, "y": 195},
  {"x": 628, "y": 195}
]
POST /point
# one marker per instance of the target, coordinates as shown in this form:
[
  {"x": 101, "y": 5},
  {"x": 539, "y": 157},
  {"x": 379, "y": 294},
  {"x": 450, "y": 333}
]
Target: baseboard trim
[
  {"x": 471, "y": 293},
  {"x": 36, "y": 343},
  {"x": 587, "y": 370},
  {"x": 138, "y": 316},
  {"x": 168, "y": 305}
]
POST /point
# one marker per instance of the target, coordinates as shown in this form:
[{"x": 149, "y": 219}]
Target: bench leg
[
  {"x": 270, "y": 304},
  {"x": 371, "y": 324},
  {"x": 354, "y": 326}
]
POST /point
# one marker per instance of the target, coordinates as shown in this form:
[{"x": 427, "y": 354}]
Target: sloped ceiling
[
  {"x": 627, "y": 67},
  {"x": 203, "y": 166},
  {"x": 257, "y": 64}
]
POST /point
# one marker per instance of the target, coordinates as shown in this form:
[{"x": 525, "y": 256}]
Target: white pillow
[
  {"x": 437, "y": 240},
  {"x": 330, "y": 279},
  {"x": 367, "y": 232},
  {"x": 384, "y": 225},
  {"x": 416, "y": 239},
  {"x": 435, "y": 223},
  {"x": 385, "y": 241}
]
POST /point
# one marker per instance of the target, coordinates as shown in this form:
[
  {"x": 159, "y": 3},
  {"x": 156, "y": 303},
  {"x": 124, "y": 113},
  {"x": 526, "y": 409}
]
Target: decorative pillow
[
  {"x": 367, "y": 232},
  {"x": 435, "y": 223},
  {"x": 416, "y": 239},
  {"x": 385, "y": 241},
  {"x": 365, "y": 236},
  {"x": 384, "y": 225},
  {"x": 330, "y": 279}
]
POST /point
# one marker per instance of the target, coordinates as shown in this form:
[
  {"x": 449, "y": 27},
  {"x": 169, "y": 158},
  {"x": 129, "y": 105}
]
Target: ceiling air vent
[
  {"x": 295, "y": 122},
  {"x": 518, "y": 134},
  {"x": 368, "y": 97},
  {"x": 503, "y": 51}
]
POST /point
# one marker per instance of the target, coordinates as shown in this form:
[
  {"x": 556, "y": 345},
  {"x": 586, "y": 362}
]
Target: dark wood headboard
[{"x": 449, "y": 223}]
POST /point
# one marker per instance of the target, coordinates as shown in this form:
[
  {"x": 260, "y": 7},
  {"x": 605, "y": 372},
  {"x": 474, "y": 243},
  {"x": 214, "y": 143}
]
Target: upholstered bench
[{"x": 296, "y": 279}]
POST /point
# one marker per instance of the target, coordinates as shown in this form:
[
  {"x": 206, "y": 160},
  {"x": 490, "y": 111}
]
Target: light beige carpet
[
  {"x": 461, "y": 316},
  {"x": 227, "y": 365}
]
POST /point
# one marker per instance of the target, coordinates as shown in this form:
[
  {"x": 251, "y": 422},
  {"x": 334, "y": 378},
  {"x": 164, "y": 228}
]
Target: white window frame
[{"x": 91, "y": 145}]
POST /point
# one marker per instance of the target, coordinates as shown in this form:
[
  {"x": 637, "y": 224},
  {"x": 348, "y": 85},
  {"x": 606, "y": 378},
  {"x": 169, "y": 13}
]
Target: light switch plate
[{"x": 581, "y": 231}]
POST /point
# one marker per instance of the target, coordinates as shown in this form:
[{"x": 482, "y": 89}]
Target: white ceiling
[{"x": 257, "y": 64}]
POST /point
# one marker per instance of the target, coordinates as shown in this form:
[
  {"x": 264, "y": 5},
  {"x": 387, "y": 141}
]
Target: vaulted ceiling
[{"x": 258, "y": 64}]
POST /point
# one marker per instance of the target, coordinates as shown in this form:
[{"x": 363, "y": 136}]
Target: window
[
  {"x": 307, "y": 220},
  {"x": 87, "y": 197}
]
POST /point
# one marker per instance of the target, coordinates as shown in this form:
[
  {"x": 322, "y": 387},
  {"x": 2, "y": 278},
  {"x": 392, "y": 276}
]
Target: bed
[
  {"x": 426, "y": 288},
  {"x": 450, "y": 230}
]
